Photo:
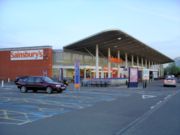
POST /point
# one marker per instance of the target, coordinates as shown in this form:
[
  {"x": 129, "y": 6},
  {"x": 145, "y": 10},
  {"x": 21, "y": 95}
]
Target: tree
[{"x": 172, "y": 69}]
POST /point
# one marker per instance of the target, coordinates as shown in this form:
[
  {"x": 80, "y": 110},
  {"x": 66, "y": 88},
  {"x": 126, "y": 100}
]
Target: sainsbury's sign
[{"x": 27, "y": 55}]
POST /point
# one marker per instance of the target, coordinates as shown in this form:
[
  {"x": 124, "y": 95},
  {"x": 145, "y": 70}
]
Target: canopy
[{"x": 118, "y": 40}]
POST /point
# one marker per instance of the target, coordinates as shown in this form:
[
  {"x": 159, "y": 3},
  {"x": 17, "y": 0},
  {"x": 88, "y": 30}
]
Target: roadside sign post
[
  {"x": 145, "y": 77},
  {"x": 133, "y": 77}
]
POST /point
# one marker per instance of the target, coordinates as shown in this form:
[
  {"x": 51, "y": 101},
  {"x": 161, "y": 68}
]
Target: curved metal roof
[{"x": 118, "y": 40}]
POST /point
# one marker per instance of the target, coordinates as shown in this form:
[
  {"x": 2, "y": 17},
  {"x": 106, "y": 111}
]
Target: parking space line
[
  {"x": 5, "y": 114},
  {"x": 35, "y": 106},
  {"x": 9, "y": 123},
  {"x": 11, "y": 119},
  {"x": 7, "y": 118},
  {"x": 140, "y": 119}
]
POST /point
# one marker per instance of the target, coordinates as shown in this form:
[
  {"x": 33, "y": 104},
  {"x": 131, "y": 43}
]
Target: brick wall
[{"x": 12, "y": 69}]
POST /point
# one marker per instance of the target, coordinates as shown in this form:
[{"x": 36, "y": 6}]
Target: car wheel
[
  {"x": 60, "y": 91},
  {"x": 35, "y": 91},
  {"x": 49, "y": 90},
  {"x": 23, "y": 89}
]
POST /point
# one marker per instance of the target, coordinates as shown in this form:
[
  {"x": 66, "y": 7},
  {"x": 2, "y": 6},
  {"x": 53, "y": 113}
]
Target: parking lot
[{"x": 19, "y": 109}]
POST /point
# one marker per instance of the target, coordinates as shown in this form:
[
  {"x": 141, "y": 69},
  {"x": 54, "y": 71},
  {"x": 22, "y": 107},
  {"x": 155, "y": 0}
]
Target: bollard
[
  {"x": 144, "y": 83},
  {"x": 2, "y": 83}
]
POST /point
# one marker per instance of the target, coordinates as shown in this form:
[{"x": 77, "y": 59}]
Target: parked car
[
  {"x": 170, "y": 80},
  {"x": 35, "y": 83},
  {"x": 19, "y": 78},
  {"x": 65, "y": 81}
]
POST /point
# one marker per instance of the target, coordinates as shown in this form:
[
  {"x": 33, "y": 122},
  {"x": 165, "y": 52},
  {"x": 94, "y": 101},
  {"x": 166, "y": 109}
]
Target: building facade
[
  {"x": 44, "y": 61},
  {"x": 107, "y": 54},
  {"x": 65, "y": 60},
  {"x": 24, "y": 61}
]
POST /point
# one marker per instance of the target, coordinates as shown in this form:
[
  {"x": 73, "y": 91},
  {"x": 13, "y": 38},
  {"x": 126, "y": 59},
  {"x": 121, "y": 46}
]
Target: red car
[{"x": 35, "y": 83}]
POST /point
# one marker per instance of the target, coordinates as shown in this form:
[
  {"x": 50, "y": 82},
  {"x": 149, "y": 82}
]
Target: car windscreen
[
  {"x": 170, "y": 78},
  {"x": 47, "y": 79}
]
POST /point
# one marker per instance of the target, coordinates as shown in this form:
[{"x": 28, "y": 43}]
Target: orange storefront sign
[{"x": 115, "y": 60}]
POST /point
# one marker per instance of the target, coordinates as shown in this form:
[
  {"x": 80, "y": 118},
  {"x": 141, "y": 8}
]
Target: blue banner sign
[{"x": 77, "y": 74}]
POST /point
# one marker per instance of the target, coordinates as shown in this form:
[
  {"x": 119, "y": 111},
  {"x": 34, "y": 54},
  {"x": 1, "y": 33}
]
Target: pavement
[{"x": 91, "y": 110}]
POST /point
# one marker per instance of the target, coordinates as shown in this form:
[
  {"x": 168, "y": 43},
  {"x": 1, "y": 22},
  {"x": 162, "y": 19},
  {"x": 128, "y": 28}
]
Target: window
[
  {"x": 38, "y": 79},
  {"x": 30, "y": 80},
  {"x": 47, "y": 79}
]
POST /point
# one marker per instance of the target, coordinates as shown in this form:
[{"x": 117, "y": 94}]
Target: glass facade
[{"x": 66, "y": 60}]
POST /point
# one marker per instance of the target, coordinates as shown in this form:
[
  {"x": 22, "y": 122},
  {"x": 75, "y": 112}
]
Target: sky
[{"x": 62, "y": 22}]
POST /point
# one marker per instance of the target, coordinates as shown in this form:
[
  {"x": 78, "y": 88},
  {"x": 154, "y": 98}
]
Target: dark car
[
  {"x": 35, "y": 83},
  {"x": 19, "y": 78}
]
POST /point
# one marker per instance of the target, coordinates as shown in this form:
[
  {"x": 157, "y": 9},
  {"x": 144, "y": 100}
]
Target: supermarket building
[{"x": 107, "y": 54}]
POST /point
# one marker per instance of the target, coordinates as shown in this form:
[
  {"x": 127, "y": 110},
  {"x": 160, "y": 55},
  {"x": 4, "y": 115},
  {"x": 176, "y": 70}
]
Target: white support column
[
  {"x": 146, "y": 63},
  {"x": 97, "y": 61},
  {"x": 84, "y": 73},
  {"x": 102, "y": 74},
  {"x": 153, "y": 64},
  {"x": 142, "y": 64},
  {"x": 159, "y": 69},
  {"x": 118, "y": 55},
  {"x": 64, "y": 73},
  {"x": 132, "y": 60},
  {"x": 149, "y": 64},
  {"x": 126, "y": 60},
  {"x": 109, "y": 63},
  {"x": 156, "y": 67},
  {"x": 137, "y": 61},
  {"x": 90, "y": 74},
  {"x": 162, "y": 70}
]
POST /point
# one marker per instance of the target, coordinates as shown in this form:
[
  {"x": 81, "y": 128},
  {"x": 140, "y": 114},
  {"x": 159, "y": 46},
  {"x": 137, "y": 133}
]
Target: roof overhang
[{"x": 118, "y": 40}]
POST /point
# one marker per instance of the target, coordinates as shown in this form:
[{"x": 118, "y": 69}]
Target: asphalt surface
[{"x": 98, "y": 111}]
